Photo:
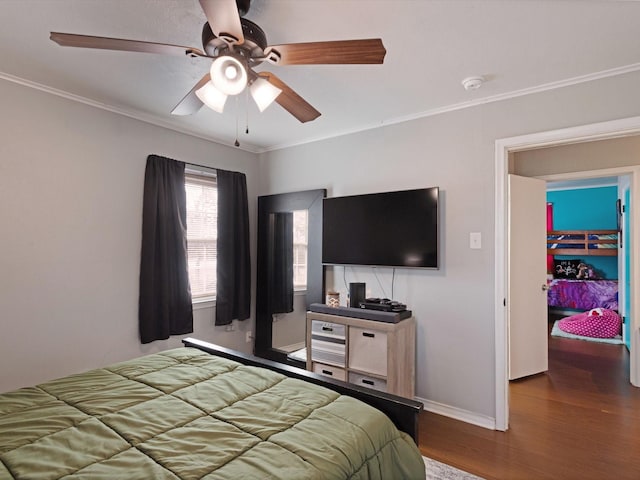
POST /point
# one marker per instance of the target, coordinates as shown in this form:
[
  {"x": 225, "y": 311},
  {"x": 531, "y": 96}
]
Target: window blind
[{"x": 202, "y": 218}]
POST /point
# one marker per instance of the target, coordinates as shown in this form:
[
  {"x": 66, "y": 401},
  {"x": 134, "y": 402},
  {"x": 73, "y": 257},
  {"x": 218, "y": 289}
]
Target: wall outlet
[{"x": 249, "y": 336}]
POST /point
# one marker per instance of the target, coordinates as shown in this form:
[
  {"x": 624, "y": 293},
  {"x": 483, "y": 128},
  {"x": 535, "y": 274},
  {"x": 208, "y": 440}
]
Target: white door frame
[{"x": 505, "y": 146}]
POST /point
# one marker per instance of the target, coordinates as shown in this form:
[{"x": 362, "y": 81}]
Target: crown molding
[
  {"x": 134, "y": 114},
  {"x": 151, "y": 119},
  {"x": 613, "y": 72}
]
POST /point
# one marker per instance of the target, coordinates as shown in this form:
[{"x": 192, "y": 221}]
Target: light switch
[{"x": 475, "y": 240}]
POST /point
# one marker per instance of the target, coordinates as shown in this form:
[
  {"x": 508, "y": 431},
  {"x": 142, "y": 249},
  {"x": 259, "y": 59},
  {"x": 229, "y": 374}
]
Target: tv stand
[{"x": 370, "y": 353}]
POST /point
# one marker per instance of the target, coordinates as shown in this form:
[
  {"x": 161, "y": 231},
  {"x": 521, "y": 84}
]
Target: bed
[
  {"x": 205, "y": 412},
  {"x": 583, "y": 294},
  {"x": 579, "y": 291},
  {"x": 582, "y": 242}
]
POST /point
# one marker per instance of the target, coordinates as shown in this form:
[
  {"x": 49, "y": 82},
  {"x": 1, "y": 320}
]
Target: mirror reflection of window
[{"x": 300, "y": 242}]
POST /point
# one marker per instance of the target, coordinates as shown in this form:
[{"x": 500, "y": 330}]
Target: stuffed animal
[{"x": 583, "y": 271}]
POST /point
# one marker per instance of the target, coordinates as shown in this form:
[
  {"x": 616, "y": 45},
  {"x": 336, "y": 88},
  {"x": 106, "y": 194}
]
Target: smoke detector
[{"x": 472, "y": 83}]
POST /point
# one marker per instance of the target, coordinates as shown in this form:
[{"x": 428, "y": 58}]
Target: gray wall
[
  {"x": 71, "y": 179},
  {"x": 454, "y": 306},
  {"x": 65, "y": 308}
]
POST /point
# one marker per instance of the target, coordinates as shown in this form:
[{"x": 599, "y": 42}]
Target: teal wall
[{"x": 587, "y": 209}]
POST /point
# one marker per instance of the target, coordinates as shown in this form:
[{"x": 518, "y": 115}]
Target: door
[
  {"x": 624, "y": 258},
  {"x": 527, "y": 271}
]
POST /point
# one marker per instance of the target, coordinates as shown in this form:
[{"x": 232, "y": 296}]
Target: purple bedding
[{"x": 583, "y": 294}]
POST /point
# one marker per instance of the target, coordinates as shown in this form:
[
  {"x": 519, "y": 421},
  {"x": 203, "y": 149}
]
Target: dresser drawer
[
  {"x": 327, "y": 329},
  {"x": 328, "y": 352},
  {"x": 368, "y": 350},
  {"x": 330, "y": 371},
  {"x": 369, "y": 382}
]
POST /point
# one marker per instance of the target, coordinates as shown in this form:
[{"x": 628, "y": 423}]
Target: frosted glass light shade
[
  {"x": 263, "y": 93},
  {"x": 228, "y": 75},
  {"x": 212, "y": 97}
]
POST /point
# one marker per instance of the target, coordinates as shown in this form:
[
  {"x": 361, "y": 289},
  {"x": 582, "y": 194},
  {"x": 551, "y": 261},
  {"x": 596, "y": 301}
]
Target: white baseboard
[{"x": 458, "y": 414}]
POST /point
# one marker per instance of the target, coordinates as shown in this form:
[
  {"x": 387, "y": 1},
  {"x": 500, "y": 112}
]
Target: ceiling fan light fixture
[
  {"x": 263, "y": 93},
  {"x": 228, "y": 75},
  {"x": 212, "y": 97}
]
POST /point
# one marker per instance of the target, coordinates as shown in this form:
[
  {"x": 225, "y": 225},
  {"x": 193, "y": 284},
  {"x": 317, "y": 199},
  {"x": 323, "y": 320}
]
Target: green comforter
[{"x": 189, "y": 415}]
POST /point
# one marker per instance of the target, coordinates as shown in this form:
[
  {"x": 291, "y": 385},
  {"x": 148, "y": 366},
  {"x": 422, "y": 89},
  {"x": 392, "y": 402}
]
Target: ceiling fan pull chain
[
  {"x": 246, "y": 106},
  {"x": 237, "y": 143}
]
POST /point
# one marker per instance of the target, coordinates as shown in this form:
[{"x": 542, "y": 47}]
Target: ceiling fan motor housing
[{"x": 255, "y": 41}]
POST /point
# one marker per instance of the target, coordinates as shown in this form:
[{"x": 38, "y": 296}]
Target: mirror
[{"x": 290, "y": 274}]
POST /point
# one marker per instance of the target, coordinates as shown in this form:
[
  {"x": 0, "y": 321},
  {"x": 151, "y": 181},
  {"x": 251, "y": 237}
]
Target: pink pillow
[{"x": 596, "y": 323}]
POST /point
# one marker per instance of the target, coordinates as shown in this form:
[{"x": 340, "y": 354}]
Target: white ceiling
[{"x": 520, "y": 46}]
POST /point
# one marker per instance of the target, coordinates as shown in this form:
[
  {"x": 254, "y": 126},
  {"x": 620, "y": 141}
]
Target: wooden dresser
[{"x": 370, "y": 353}]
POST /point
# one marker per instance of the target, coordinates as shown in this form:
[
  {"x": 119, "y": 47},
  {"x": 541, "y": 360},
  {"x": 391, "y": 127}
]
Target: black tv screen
[{"x": 395, "y": 229}]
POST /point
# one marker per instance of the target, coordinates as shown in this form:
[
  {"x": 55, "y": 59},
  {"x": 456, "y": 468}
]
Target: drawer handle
[
  {"x": 327, "y": 372},
  {"x": 327, "y": 329},
  {"x": 368, "y": 382},
  {"x": 367, "y": 334}
]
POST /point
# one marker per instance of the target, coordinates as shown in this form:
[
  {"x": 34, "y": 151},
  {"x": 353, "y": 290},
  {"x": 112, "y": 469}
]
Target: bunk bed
[
  {"x": 582, "y": 242},
  {"x": 572, "y": 286}
]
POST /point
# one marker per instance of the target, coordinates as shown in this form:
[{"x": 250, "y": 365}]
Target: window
[
  {"x": 202, "y": 235},
  {"x": 300, "y": 242}
]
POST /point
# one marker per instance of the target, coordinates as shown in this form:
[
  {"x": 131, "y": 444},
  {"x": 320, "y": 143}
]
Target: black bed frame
[{"x": 403, "y": 412}]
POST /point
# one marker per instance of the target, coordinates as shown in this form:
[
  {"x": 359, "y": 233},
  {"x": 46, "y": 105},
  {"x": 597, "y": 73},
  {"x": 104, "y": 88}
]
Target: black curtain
[
  {"x": 233, "y": 290},
  {"x": 165, "y": 296},
  {"x": 280, "y": 262}
]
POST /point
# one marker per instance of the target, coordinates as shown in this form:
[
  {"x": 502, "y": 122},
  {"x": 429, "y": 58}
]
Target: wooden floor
[{"x": 580, "y": 420}]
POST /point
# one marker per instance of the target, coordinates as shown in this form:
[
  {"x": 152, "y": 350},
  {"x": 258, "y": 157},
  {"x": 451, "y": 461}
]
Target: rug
[
  {"x": 556, "y": 332},
  {"x": 441, "y": 471}
]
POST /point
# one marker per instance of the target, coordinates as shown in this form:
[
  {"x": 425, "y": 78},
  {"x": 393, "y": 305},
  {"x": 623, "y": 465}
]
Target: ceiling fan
[{"x": 237, "y": 45}]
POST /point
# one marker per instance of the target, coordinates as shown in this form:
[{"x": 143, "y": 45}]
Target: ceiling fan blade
[
  {"x": 191, "y": 103},
  {"x": 291, "y": 101},
  {"x": 224, "y": 19},
  {"x": 365, "y": 51},
  {"x": 106, "y": 43}
]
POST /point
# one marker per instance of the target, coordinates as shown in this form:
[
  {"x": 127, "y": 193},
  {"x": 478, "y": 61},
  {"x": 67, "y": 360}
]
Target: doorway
[
  {"x": 539, "y": 295},
  {"x": 595, "y": 203},
  {"x": 504, "y": 150}
]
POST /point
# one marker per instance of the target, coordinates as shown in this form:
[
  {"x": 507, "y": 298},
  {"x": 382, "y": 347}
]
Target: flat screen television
[{"x": 394, "y": 229}]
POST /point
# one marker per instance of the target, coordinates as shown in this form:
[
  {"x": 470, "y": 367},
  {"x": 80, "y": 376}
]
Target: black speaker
[{"x": 357, "y": 294}]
